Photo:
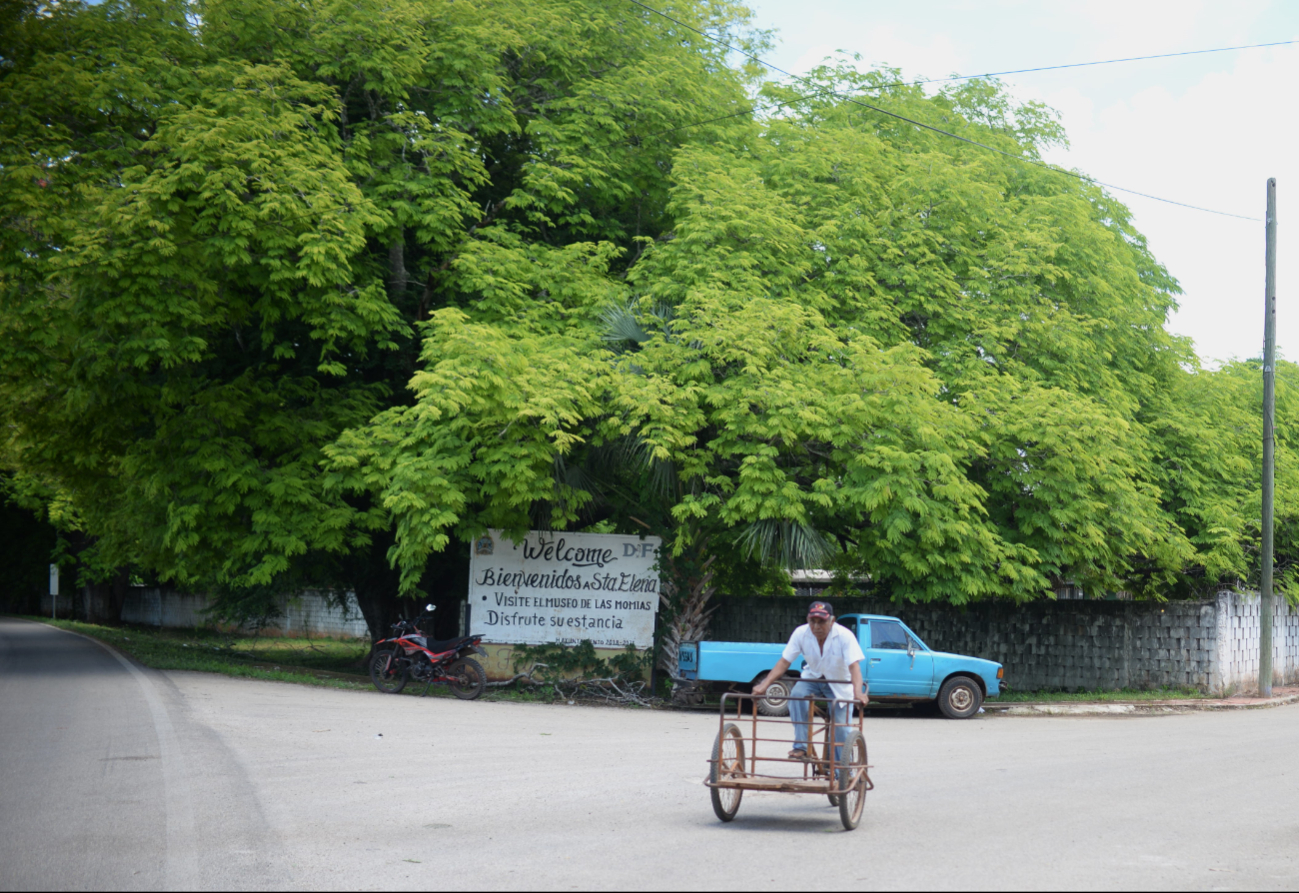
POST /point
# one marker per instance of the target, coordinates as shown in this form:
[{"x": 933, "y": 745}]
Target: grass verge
[
  {"x": 328, "y": 662},
  {"x": 332, "y": 663}
]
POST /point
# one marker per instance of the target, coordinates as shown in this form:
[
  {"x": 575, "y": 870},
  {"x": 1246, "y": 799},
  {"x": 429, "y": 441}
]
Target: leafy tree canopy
[
  {"x": 293, "y": 292},
  {"x": 860, "y": 342},
  {"x": 223, "y": 221}
]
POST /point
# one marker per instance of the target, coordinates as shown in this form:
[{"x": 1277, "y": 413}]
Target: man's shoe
[{"x": 798, "y": 755}]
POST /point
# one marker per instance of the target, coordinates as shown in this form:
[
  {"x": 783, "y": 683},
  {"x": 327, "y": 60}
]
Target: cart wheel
[
  {"x": 854, "y": 757},
  {"x": 776, "y": 701},
  {"x": 389, "y": 678},
  {"x": 728, "y": 762},
  {"x": 833, "y": 798}
]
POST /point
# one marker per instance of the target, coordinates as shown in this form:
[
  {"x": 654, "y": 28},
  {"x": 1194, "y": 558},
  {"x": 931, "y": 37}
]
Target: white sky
[{"x": 1206, "y": 130}]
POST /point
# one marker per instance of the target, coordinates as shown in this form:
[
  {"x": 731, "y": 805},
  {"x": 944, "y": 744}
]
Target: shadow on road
[{"x": 821, "y": 819}]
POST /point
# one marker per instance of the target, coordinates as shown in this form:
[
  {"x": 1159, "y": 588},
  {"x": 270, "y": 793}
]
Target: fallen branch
[{"x": 609, "y": 689}]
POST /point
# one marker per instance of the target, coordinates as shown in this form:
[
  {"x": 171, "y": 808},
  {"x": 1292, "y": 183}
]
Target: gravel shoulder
[{"x": 1281, "y": 696}]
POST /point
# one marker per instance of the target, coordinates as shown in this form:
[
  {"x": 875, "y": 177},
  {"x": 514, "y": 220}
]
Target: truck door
[{"x": 890, "y": 669}]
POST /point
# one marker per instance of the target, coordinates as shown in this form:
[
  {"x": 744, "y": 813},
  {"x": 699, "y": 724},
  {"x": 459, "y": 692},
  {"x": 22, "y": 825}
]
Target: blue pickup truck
[{"x": 899, "y": 668}]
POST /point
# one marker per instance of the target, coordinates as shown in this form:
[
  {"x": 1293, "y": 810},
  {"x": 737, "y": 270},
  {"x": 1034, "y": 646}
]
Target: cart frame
[{"x": 840, "y": 770}]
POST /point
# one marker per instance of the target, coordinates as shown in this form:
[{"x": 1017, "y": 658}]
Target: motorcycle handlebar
[{"x": 402, "y": 624}]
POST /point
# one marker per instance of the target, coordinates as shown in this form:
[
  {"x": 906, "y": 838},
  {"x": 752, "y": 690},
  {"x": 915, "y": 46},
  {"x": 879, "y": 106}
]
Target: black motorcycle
[{"x": 409, "y": 654}]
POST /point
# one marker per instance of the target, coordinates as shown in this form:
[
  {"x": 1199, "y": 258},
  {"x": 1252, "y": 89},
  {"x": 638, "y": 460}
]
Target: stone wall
[
  {"x": 1067, "y": 645},
  {"x": 1210, "y": 645},
  {"x": 1238, "y": 651},
  {"x": 64, "y": 607},
  {"x": 87, "y": 603},
  {"x": 308, "y": 614}
]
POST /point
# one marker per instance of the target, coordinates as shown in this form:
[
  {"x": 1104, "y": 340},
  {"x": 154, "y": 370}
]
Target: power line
[
  {"x": 938, "y": 130},
  {"x": 994, "y": 74},
  {"x": 971, "y": 77}
]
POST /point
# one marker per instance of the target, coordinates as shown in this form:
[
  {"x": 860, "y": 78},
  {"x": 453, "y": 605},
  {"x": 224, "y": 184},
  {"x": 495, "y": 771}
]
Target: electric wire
[
  {"x": 971, "y": 77},
  {"x": 344, "y": 209},
  {"x": 939, "y": 130}
]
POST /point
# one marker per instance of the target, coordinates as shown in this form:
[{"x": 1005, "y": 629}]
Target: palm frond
[
  {"x": 791, "y": 544},
  {"x": 620, "y": 324}
]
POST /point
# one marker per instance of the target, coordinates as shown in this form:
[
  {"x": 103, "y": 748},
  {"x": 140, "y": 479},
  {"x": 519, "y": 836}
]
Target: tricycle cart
[{"x": 839, "y": 772}]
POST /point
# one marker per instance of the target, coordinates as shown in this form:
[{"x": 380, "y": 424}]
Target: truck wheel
[
  {"x": 776, "y": 701},
  {"x": 960, "y": 697}
]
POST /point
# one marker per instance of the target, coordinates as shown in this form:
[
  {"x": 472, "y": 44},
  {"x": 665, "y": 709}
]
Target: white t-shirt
[{"x": 841, "y": 651}]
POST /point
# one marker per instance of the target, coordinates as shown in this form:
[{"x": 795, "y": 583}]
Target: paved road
[
  {"x": 112, "y": 777},
  {"x": 107, "y": 783}
]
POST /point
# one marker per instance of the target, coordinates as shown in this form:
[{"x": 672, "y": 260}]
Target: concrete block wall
[
  {"x": 308, "y": 614},
  {"x": 1238, "y": 618},
  {"x": 85, "y": 604},
  {"x": 312, "y": 614},
  {"x": 1065, "y": 645},
  {"x": 63, "y": 606}
]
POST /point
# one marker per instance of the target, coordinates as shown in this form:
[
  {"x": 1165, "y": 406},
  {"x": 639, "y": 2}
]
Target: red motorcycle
[{"x": 411, "y": 655}]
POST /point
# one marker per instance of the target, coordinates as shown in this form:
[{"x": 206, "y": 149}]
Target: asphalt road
[{"x": 116, "y": 777}]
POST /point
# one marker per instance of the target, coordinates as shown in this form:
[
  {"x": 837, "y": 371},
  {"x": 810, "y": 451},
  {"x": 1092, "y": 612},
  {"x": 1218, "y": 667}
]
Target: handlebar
[{"x": 411, "y": 624}]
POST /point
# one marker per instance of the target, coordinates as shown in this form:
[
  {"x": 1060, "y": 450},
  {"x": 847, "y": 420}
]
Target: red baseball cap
[{"x": 820, "y": 609}]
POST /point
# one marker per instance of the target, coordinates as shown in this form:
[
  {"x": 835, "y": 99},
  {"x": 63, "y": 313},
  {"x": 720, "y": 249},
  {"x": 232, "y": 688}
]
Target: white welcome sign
[{"x": 565, "y": 587}]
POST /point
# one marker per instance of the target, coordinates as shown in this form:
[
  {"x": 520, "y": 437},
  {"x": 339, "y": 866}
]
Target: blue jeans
[{"x": 799, "y": 710}]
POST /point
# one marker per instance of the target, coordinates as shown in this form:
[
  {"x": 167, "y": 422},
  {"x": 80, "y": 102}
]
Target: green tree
[
  {"x": 860, "y": 341},
  {"x": 1207, "y": 437},
  {"x": 308, "y": 294},
  {"x": 224, "y": 220}
]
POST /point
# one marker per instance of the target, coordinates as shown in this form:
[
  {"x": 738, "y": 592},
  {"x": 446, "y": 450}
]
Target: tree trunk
[
  {"x": 397, "y": 276},
  {"x": 690, "y": 621},
  {"x": 375, "y": 584},
  {"x": 445, "y": 584}
]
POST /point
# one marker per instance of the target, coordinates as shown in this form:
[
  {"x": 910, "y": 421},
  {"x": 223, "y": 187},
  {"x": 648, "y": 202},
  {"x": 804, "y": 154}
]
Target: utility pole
[{"x": 1269, "y": 448}]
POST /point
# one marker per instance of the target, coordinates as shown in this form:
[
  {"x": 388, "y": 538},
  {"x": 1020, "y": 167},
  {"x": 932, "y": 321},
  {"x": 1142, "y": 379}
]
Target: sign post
[{"x": 54, "y": 591}]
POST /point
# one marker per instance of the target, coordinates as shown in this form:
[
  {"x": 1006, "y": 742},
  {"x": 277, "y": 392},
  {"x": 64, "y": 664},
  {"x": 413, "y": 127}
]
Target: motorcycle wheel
[
  {"x": 468, "y": 680},
  {"x": 392, "y": 681}
]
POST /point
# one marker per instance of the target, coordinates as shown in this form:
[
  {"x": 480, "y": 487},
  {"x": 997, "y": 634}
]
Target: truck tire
[
  {"x": 960, "y": 697},
  {"x": 775, "y": 702}
]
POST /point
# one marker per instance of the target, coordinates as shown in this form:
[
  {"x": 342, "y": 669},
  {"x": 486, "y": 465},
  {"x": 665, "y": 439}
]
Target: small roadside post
[
  {"x": 54, "y": 591},
  {"x": 653, "y": 656},
  {"x": 1265, "y": 600}
]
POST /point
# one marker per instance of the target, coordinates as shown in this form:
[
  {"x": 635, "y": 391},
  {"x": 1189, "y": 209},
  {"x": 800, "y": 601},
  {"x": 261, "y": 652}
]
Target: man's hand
[
  {"x": 861, "y": 689},
  {"x": 776, "y": 672}
]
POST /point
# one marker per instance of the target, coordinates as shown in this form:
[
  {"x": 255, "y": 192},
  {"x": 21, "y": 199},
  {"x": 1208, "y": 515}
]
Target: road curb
[{"x": 1137, "y": 708}]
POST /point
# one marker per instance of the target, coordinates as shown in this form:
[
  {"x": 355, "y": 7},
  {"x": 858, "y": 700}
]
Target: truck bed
[{"x": 730, "y": 661}]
